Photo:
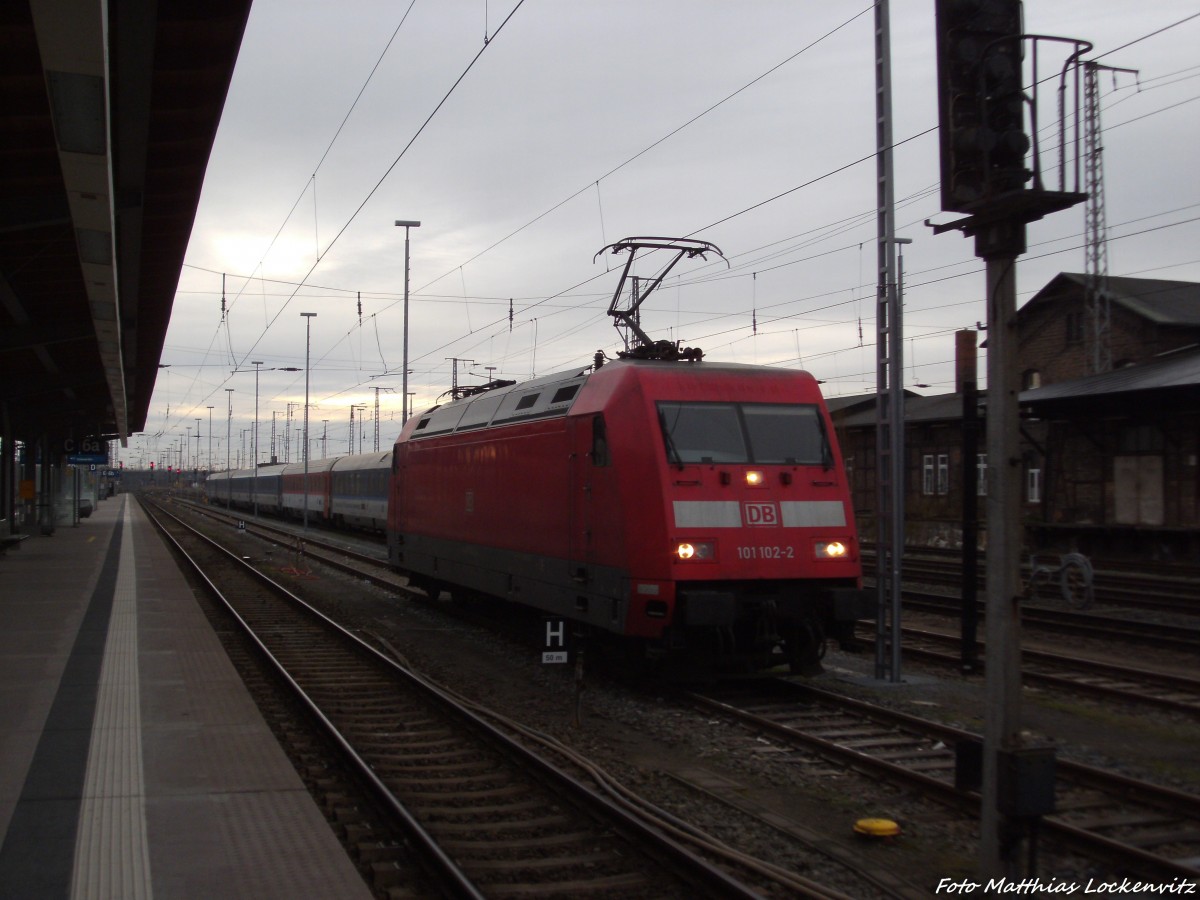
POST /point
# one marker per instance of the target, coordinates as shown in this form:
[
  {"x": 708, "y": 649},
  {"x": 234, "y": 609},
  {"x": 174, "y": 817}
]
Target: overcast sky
[{"x": 749, "y": 125}]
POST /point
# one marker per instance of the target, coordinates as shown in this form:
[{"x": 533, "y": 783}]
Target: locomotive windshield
[{"x": 760, "y": 433}]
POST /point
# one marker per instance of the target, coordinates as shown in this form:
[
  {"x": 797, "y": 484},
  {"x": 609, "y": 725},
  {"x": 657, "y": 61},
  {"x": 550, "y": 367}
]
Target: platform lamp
[
  {"x": 308, "y": 317},
  {"x": 406, "y": 224}
]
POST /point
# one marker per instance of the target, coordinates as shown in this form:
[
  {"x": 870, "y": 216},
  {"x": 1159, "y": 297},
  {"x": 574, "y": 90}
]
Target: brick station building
[{"x": 1109, "y": 460}]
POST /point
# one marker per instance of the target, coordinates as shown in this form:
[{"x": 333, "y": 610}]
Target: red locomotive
[{"x": 696, "y": 510}]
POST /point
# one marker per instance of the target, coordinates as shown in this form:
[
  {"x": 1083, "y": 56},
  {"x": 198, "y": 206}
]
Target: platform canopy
[{"x": 108, "y": 111}]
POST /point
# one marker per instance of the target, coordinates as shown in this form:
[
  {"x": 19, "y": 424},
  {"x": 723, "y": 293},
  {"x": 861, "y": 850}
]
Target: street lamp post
[
  {"x": 406, "y": 224},
  {"x": 308, "y": 317},
  {"x": 254, "y": 443},
  {"x": 228, "y": 445}
]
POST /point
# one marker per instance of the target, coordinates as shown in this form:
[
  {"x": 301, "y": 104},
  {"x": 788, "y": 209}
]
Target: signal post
[{"x": 984, "y": 148}]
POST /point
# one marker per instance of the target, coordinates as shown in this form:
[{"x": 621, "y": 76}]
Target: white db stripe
[
  {"x": 812, "y": 513},
  {"x": 728, "y": 513},
  {"x": 707, "y": 514}
]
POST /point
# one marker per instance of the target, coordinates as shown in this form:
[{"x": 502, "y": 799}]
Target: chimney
[{"x": 965, "y": 365}]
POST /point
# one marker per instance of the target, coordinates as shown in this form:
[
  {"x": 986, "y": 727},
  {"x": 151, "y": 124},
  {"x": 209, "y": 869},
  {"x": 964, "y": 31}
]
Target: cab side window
[{"x": 599, "y": 442}]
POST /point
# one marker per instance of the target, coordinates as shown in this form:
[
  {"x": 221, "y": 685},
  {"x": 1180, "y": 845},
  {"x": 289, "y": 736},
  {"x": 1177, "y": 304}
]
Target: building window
[
  {"x": 1136, "y": 439},
  {"x": 1033, "y": 485},
  {"x": 1074, "y": 328},
  {"x": 981, "y": 475},
  {"x": 935, "y": 474}
]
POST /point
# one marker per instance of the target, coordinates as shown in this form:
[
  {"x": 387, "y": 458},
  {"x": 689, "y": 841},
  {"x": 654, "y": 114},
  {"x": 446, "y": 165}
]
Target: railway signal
[
  {"x": 980, "y": 101},
  {"x": 981, "y": 106}
]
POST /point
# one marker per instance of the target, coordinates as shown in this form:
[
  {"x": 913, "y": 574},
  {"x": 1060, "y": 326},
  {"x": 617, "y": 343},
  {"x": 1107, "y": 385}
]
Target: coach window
[{"x": 599, "y": 442}]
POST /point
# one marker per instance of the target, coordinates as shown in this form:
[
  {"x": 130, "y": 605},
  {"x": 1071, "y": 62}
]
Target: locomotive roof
[
  {"x": 609, "y": 366},
  {"x": 553, "y": 395}
]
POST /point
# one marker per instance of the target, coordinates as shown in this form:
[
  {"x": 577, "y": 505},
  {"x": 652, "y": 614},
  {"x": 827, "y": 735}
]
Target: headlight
[
  {"x": 695, "y": 551},
  {"x": 755, "y": 478},
  {"x": 831, "y": 550}
]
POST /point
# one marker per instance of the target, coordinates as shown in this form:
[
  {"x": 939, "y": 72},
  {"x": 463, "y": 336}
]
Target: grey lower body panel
[{"x": 596, "y": 595}]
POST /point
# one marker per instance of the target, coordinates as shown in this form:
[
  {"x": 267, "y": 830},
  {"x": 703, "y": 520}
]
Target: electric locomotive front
[
  {"x": 698, "y": 512},
  {"x": 742, "y": 537}
]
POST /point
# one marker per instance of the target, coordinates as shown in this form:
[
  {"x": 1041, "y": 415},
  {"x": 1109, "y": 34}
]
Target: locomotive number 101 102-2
[{"x": 766, "y": 552}]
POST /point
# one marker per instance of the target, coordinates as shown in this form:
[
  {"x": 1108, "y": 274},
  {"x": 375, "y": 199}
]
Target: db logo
[{"x": 760, "y": 513}]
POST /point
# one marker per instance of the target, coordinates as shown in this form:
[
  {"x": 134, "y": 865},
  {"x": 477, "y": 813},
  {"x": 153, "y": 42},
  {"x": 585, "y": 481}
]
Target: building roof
[
  {"x": 110, "y": 111},
  {"x": 936, "y": 408},
  {"x": 1159, "y": 301},
  {"x": 1173, "y": 372}
]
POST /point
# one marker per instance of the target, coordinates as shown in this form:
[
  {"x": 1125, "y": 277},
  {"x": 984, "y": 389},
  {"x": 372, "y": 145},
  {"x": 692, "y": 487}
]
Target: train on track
[
  {"x": 698, "y": 512},
  {"x": 349, "y": 492}
]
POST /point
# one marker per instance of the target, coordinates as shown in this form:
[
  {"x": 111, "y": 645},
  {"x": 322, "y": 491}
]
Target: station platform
[{"x": 133, "y": 762}]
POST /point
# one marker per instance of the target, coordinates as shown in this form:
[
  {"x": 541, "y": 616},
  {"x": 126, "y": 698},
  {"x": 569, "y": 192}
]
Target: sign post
[{"x": 554, "y": 646}]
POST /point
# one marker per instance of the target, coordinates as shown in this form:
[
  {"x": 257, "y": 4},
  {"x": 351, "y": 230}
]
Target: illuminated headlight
[
  {"x": 830, "y": 550},
  {"x": 697, "y": 551},
  {"x": 755, "y": 478}
]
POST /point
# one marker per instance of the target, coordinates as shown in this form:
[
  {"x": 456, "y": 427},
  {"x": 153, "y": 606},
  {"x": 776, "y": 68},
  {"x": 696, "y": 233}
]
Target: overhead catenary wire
[
  {"x": 545, "y": 305},
  {"x": 336, "y": 134},
  {"x": 470, "y": 65},
  {"x": 395, "y": 162},
  {"x": 646, "y": 149}
]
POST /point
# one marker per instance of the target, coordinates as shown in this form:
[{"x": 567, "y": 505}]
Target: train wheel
[
  {"x": 1076, "y": 581},
  {"x": 804, "y": 645},
  {"x": 430, "y": 589}
]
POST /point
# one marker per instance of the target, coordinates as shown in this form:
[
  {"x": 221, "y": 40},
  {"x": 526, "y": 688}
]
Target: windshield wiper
[{"x": 672, "y": 450}]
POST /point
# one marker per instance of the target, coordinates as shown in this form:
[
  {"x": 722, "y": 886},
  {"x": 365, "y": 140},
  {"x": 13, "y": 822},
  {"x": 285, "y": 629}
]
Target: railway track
[
  {"x": 1138, "y": 686},
  {"x": 1184, "y": 638},
  {"x": 1125, "y": 823},
  {"x": 1162, "y": 588},
  {"x": 488, "y": 816},
  {"x": 1052, "y": 669}
]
